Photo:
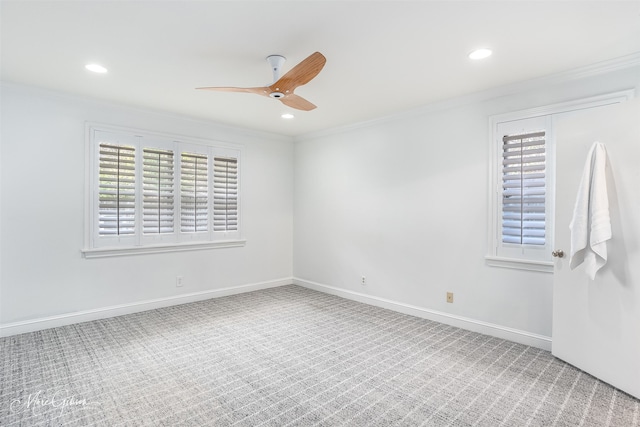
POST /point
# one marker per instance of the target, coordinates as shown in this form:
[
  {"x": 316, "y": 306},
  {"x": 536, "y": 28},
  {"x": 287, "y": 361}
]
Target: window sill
[
  {"x": 520, "y": 264},
  {"x": 154, "y": 249}
]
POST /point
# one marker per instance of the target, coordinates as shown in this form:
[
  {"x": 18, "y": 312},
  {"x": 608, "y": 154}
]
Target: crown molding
[
  {"x": 598, "y": 68},
  {"x": 161, "y": 114}
]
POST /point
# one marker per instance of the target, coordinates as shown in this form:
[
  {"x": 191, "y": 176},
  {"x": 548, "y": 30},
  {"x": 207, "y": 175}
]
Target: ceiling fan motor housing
[{"x": 276, "y": 62}]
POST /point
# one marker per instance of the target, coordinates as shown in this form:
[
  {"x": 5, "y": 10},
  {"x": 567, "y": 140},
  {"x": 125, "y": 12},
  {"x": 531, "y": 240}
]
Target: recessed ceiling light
[
  {"x": 480, "y": 53},
  {"x": 96, "y": 68},
  {"x": 287, "y": 116}
]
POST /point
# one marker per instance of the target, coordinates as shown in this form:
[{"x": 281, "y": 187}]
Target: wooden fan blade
[
  {"x": 300, "y": 74},
  {"x": 297, "y": 102},
  {"x": 265, "y": 91}
]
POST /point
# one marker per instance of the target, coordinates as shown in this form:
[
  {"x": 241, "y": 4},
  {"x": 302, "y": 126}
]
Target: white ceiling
[{"x": 383, "y": 57}]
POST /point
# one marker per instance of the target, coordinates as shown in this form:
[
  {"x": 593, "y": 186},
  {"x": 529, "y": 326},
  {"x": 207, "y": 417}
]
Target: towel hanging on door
[{"x": 591, "y": 225}]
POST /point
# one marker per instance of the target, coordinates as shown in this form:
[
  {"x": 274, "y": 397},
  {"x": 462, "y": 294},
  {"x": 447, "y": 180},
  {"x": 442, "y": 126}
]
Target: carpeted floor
[{"x": 290, "y": 356}]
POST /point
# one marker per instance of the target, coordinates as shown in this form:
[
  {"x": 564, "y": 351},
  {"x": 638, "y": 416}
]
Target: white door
[{"x": 596, "y": 323}]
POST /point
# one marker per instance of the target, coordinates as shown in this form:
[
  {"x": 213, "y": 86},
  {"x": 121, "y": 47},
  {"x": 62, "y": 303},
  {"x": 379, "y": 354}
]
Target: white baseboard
[
  {"x": 119, "y": 310},
  {"x": 499, "y": 331},
  {"x": 511, "y": 334}
]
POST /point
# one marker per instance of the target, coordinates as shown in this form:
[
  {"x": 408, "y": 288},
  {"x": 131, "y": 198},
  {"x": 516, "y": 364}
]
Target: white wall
[
  {"x": 43, "y": 181},
  {"x": 403, "y": 202}
]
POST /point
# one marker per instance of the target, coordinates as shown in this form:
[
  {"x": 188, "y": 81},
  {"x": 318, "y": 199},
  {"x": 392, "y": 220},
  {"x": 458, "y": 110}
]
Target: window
[
  {"x": 157, "y": 191},
  {"x": 194, "y": 193},
  {"x": 225, "y": 194},
  {"x": 117, "y": 192},
  {"x": 523, "y": 190},
  {"x": 522, "y": 183},
  {"x": 151, "y": 193}
]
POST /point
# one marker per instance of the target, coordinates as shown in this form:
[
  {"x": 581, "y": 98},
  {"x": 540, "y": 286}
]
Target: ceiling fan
[{"x": 283, "y": 87}]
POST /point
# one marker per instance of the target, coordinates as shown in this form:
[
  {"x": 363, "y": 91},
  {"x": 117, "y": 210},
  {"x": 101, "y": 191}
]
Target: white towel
[{"x": 590, "y": 225}]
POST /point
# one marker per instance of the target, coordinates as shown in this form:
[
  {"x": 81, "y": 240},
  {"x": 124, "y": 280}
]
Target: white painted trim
[
  {"x": 499, "y": 331},
  {"x": 155, "y": 249},
  {"x": 32, "y": 325},
  {"x": 598, "y": 68},
  {"x": 511, "y": 334},
  {"x": 96, "y": 246},
  {"x": 520, "y": 264},
  {"x": 567, "y": 106},
  {"x": 167, "y": 136},
  {"x": 496, "y": 257},
  {"x": 162, "y": 114}
]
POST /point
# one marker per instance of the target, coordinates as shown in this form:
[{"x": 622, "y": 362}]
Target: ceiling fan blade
[
  {"x": 300, "y": 74},
  {"x": 257, "y": 90},
  {"x": 297, "y": 102},
  {"x": 283, "y": 89}
]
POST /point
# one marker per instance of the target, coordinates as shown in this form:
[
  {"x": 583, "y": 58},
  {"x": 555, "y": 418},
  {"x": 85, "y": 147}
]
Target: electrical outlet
[
  {"x": 450, "y": 297},
  {"x": 363, "y": 281},
  {"x": 178, "y": 281}
]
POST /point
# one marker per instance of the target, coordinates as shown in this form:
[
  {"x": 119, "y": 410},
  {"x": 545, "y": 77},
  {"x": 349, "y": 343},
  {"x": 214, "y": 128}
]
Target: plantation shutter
[
  {"x": 194, "y": 192},
  {"x": 117, "y": 190},
  {"x": 523, "y": 188},
  {"x": 225, "y": 194},
  {"x": 157, "y": 190}
]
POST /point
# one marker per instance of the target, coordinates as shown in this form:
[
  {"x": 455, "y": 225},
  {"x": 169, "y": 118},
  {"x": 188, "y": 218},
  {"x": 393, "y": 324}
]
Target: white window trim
[
  {"x": 217, "y": 240},
  {"x": 493, "y": 258},
  {"x": 155, "y": 249}
]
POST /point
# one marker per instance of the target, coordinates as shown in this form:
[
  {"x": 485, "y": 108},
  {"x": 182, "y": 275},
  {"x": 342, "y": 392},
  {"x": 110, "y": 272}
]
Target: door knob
[{"x": 558, "y": 253}]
